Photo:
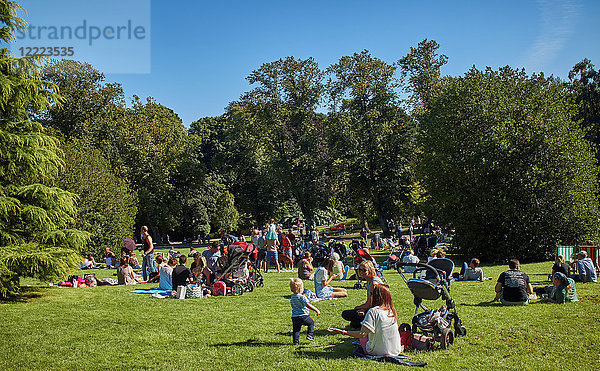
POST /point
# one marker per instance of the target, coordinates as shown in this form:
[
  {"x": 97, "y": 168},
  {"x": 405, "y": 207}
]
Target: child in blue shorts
[{"x": 300, "y": 311}]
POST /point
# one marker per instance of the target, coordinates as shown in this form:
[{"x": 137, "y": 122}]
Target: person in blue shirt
[
  {"x": 585, "y": 268},
  {"x": 300, "y": 311}
]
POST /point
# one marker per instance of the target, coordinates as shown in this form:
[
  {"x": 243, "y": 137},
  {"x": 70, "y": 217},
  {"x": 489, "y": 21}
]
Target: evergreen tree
[{"x": 36, "y": 235}]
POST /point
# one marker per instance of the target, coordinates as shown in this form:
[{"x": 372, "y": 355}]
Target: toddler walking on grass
[{"x": 300, "y": 311}]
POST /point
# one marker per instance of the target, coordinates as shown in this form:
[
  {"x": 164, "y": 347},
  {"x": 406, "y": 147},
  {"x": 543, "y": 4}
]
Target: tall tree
[
  {"x": 107, "y": 206},
  {"x": 585, "y": 83},
  {"x": 420, "y": 72},
  {"x": 36, "y": 219},
  {"x": 506, "y": 165},
  {"x": 85, "y": 99},
  {"x": 370, "y": 134},
  {"x": 278, "y": 123}
]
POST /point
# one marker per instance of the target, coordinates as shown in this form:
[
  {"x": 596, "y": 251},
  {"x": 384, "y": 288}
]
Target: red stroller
[{"x": 360, "y": 256}]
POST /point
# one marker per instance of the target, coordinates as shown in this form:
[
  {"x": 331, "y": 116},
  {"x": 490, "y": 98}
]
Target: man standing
[
  {"x": 513, "y": 286},
  {"x": 211, "y": 255},
  {"x": 148, "y": 255}
]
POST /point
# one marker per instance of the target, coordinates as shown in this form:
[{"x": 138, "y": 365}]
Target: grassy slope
[{"x": 109, "y": 327}]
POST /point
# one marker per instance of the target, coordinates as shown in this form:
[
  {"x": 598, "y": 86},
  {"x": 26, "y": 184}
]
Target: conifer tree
[{"x": 36, "y": 235}]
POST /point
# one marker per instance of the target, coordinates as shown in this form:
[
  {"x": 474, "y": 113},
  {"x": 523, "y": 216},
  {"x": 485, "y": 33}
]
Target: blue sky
[{"x": 201, "y": 51}]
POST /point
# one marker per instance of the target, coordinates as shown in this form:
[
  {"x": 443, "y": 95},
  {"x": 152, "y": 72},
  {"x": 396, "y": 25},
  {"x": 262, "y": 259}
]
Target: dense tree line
[{"x": 504, "y": 158}]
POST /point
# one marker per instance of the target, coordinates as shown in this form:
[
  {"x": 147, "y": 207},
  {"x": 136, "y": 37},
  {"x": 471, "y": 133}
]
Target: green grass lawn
[{"x": 110, "y": 327}]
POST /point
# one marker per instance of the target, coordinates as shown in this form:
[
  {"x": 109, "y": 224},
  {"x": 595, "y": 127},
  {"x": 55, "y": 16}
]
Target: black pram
[{"x": 435, "y": 283}]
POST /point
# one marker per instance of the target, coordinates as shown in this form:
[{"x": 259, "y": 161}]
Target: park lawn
[{"x": 110, "y": 327}]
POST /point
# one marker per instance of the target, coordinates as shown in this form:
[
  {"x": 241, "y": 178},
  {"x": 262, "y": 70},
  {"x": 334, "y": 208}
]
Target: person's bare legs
[{"x": 339, "y": 292}]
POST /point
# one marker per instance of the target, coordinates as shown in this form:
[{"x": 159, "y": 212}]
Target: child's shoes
[{"x": 310, "y": 338}]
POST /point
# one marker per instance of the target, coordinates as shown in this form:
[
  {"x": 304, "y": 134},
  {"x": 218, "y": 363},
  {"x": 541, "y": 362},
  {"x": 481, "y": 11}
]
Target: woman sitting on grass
[
  {"x": 471, "y": 272},
  {"x": 125, "y": 274},
  {"x": 305, "y": 267},
  {"x": 366, "y": 271},
  {"x": 322, "y": 288},
  {"x": 379, "y": 335},
  {"x": 560, "y": 266}
]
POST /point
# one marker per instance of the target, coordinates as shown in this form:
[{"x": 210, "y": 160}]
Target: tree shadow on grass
[
  {"x": 341, "y": 350},
  {"x": 482, "y": 304},
  {"x": 27, "y": 295},
  {"x": 252, "y": 343}
]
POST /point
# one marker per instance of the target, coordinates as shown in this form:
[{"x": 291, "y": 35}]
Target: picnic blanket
[
  {"x": 153, "y": 291},
  {"x": 399, "y": 359}
]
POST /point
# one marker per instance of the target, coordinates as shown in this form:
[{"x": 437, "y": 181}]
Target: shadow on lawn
[
  {"x": 252, "y": 343},
  {"x": 27, "y": 295},
  {"x": 341, "y": 350}
]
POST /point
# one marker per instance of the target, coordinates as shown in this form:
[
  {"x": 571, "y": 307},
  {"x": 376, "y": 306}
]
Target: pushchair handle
[{"x": 420, "y": 267}]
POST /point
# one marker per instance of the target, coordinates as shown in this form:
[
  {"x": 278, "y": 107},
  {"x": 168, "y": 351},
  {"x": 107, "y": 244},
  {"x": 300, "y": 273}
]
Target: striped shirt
[{"x": 298, "y": 303}]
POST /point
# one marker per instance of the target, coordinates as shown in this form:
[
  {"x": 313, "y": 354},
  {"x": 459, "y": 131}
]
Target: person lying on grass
[
  {"x": 300, "y": 311},
  {"x": 366, "y": 271},
  {"x": 513, "y": 286},
  {"x": 322, "y": 280},
  {"x": 379, "y": 333},
  {"x": 562, "y": 291}
]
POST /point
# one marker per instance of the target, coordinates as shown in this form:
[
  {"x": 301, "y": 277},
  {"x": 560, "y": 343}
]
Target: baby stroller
[
  {"x": 436, "y": 324},
  {"x": 319, "y": 252},
  {"x": 340, "y": 249},
  {"x": 360, "y": 256},
  {"x": 235, "y": 278}
]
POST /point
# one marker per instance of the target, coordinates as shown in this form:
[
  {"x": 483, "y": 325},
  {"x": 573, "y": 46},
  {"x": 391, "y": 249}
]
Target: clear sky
[{"x": 201, "y": 51}]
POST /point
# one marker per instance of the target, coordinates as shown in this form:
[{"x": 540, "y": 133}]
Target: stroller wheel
[
  {"x": 259, "y": 283},
  {"x": 358, "y": 286},
  {"x": 459, "y": 329},
  {"x": 237, "y": 290},
  {"x": 447, "y": 338},
  {"x": 249, "y": 286}
]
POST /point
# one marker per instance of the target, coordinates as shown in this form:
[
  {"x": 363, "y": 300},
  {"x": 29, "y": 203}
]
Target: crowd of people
[{"x": 375, "y": 322}]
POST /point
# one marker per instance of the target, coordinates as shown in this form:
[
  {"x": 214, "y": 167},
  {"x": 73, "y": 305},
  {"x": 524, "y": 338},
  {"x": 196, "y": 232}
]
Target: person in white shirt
[
  {"x": 379, "y": 334},
  {"x": 410, "y": 258}
]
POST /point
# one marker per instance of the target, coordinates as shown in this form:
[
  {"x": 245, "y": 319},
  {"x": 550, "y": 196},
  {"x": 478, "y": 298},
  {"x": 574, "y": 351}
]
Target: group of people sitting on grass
[
  {"x": 376, "y": 319},
  {"x": 172, "y": 270}
]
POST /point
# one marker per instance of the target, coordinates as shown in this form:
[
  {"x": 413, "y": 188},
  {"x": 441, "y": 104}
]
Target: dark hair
[
  {"x": 124, "y": 261},
  {"x": 172, "y": 261},
  {"x": 381, "y": 296},
  {"x": 328, "y": 264},
  {"x": 215, "y": 244},
  {"x": 159, "y": 259},
  {"x": 182, "y": 259},
  {"x": 475, "y": 262},
  {"x": 513, "y": 264}
]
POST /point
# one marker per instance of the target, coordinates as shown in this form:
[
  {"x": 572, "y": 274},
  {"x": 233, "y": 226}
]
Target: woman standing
[
  {"x": 272, "y": 243},
  {"x": 379, "y": 334}
]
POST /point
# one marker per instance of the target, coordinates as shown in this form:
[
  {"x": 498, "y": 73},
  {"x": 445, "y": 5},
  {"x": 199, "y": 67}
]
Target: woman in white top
[{"x": 379, "y": 333}]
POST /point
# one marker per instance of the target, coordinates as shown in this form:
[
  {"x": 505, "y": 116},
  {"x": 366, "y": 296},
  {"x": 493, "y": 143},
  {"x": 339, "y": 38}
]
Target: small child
[{"x": 300, "y": 311}]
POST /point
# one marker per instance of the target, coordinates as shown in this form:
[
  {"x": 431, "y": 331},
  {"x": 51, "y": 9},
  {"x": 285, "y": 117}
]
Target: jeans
[
  {"x": 148, "y": 263},
  {"x": 354, "y": 317},
  {"x": 298, "y": 322}
]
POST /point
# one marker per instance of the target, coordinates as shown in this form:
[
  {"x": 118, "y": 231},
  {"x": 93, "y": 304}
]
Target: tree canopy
[{"x": 505, "y": 164}]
